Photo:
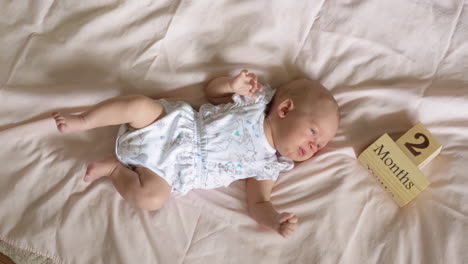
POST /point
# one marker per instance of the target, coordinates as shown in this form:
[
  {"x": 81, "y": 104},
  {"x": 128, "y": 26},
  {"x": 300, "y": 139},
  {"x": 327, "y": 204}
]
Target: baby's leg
[
  {"x": 137, "y": 110},
  {"x": 142, "y": 187}
]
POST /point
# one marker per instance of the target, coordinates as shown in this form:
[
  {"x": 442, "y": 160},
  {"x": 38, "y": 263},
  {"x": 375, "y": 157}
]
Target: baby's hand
[
  {"x": 287, "y": 223},
  {"x": 265, "y": 214},
  {"x": 246, "y": 84}
]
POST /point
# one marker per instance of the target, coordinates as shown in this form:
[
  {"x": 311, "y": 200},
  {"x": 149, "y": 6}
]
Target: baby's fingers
[
  {"x": 287, "y": 230},
  {"x": 253, "y": 83},
  {"x": 253, "y": 95},
  {"x": 286, "y": 233},
  {"x": 253, "y": 76},
  {"x": 259, "y": 86},
  {"x": 293, "y": 220},
  {"x": 291, "y": 227},
  {"x": 287, "y": 225},
  {"x": 252, "y": 80},
  {"x": 286, "y": 216}
]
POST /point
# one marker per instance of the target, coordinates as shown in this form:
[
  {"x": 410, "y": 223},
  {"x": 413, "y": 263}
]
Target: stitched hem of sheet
[{"x": 18, "y": 248}]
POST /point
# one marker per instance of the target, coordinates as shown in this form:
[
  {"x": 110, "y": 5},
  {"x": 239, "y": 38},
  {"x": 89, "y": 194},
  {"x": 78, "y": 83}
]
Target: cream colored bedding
[{"x": 390, "y": 64}]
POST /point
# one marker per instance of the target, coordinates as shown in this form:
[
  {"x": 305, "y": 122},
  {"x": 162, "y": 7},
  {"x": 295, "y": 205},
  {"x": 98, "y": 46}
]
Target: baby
[{"x": 249, "y": 131}]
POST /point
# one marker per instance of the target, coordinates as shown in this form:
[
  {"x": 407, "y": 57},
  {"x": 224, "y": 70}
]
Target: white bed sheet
[{"x": 390, "y": 64}]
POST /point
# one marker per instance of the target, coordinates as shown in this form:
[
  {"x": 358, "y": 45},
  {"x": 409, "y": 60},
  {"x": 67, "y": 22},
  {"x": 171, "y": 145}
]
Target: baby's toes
[
  {"x": 59, "y": 120},
  {"x": 55, "y": 114},
  {"x": 61, "y": 127},
  {"x": 58, "y": 117}
]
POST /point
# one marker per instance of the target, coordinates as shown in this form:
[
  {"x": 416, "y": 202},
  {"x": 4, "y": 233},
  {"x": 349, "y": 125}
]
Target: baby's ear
[{"x": 285, "y": 107}]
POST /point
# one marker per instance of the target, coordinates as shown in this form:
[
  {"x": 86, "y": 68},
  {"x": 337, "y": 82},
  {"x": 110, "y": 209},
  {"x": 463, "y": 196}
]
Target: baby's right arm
[
  {"x": 221, "y": 89},
  {"x": 262, "y": 210}
]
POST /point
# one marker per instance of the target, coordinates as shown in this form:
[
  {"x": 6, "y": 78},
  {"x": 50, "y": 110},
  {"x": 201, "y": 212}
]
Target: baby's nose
[{"x": 313, "y": 147}]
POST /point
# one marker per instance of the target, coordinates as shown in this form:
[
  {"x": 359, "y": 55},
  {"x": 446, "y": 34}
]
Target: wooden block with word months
[
  {"x": 393, "y": 170},
  {"x": 419, "y": 145}
]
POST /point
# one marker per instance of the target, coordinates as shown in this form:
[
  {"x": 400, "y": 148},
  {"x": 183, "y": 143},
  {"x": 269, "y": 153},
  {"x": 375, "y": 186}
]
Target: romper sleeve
[
  {"x": 264, "y": 97},
  {"x": 272, "y": 169}
]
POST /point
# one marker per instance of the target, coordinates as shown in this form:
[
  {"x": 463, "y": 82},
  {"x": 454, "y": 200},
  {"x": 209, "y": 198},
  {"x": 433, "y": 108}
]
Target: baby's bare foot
[
  {"x": 69, "y": 123},
  {"x": 101, "y": 168}
]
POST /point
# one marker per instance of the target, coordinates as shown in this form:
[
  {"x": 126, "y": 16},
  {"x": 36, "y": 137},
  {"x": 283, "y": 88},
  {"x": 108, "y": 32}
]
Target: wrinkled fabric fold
[{"x": 389, "y": 64}]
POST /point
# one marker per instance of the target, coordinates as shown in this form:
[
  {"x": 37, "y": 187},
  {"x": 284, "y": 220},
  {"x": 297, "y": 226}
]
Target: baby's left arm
[
  {"x": 221, "y": 89},
  {"x": 262, "y": 210}
]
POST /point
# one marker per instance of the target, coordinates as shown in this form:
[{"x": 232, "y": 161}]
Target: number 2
[{"x": 412, "y": 146}]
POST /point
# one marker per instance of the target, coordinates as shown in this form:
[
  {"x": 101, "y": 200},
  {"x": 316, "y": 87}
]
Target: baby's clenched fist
[
  {"x": 287, "y": 223},
  {"x": 246, "y": 84}
]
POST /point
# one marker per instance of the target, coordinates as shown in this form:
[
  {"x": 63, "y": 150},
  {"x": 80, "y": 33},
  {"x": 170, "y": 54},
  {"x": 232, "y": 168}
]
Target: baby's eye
[{"x": 313, "y": 131}]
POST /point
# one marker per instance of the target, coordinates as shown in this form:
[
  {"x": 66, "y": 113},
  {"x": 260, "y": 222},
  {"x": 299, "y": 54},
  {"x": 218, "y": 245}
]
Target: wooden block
[
  {"x": 419, "y": 145},
  {"x": 5, "y": 260},
  {"x": 393, "y": 170}
]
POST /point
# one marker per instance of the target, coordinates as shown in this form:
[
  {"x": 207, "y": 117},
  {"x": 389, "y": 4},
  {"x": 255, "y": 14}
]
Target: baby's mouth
[{"x": 301, "y": 151}]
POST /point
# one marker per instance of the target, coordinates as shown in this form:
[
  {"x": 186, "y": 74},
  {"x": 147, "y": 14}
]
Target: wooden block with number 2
[
  {"x": 419, "y": 145},
  {"x": 396, "y": 165}
]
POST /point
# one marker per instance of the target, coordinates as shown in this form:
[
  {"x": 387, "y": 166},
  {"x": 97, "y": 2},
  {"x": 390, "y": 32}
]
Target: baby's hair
[{"x": 305, "y": 88}]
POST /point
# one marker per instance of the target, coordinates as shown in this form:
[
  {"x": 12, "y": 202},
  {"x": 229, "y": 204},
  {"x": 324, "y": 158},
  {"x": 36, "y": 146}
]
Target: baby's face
[{"x": 302, "y": 132}]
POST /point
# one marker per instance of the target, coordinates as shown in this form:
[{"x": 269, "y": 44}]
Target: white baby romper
[{"x": 206, "y": 149}]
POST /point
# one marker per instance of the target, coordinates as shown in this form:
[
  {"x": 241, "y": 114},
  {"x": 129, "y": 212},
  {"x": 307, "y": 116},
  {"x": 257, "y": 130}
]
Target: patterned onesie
[{"x": 205, "y": 149}]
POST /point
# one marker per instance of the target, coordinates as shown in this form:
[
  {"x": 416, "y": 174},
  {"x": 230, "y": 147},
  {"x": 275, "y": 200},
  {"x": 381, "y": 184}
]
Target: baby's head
[{"x": 303, "y": 118}]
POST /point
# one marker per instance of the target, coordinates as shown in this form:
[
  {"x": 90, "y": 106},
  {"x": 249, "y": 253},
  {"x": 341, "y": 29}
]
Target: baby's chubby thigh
[
  {"x": 145, "y": 111},
  {"x": 154, "y": 190}
]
